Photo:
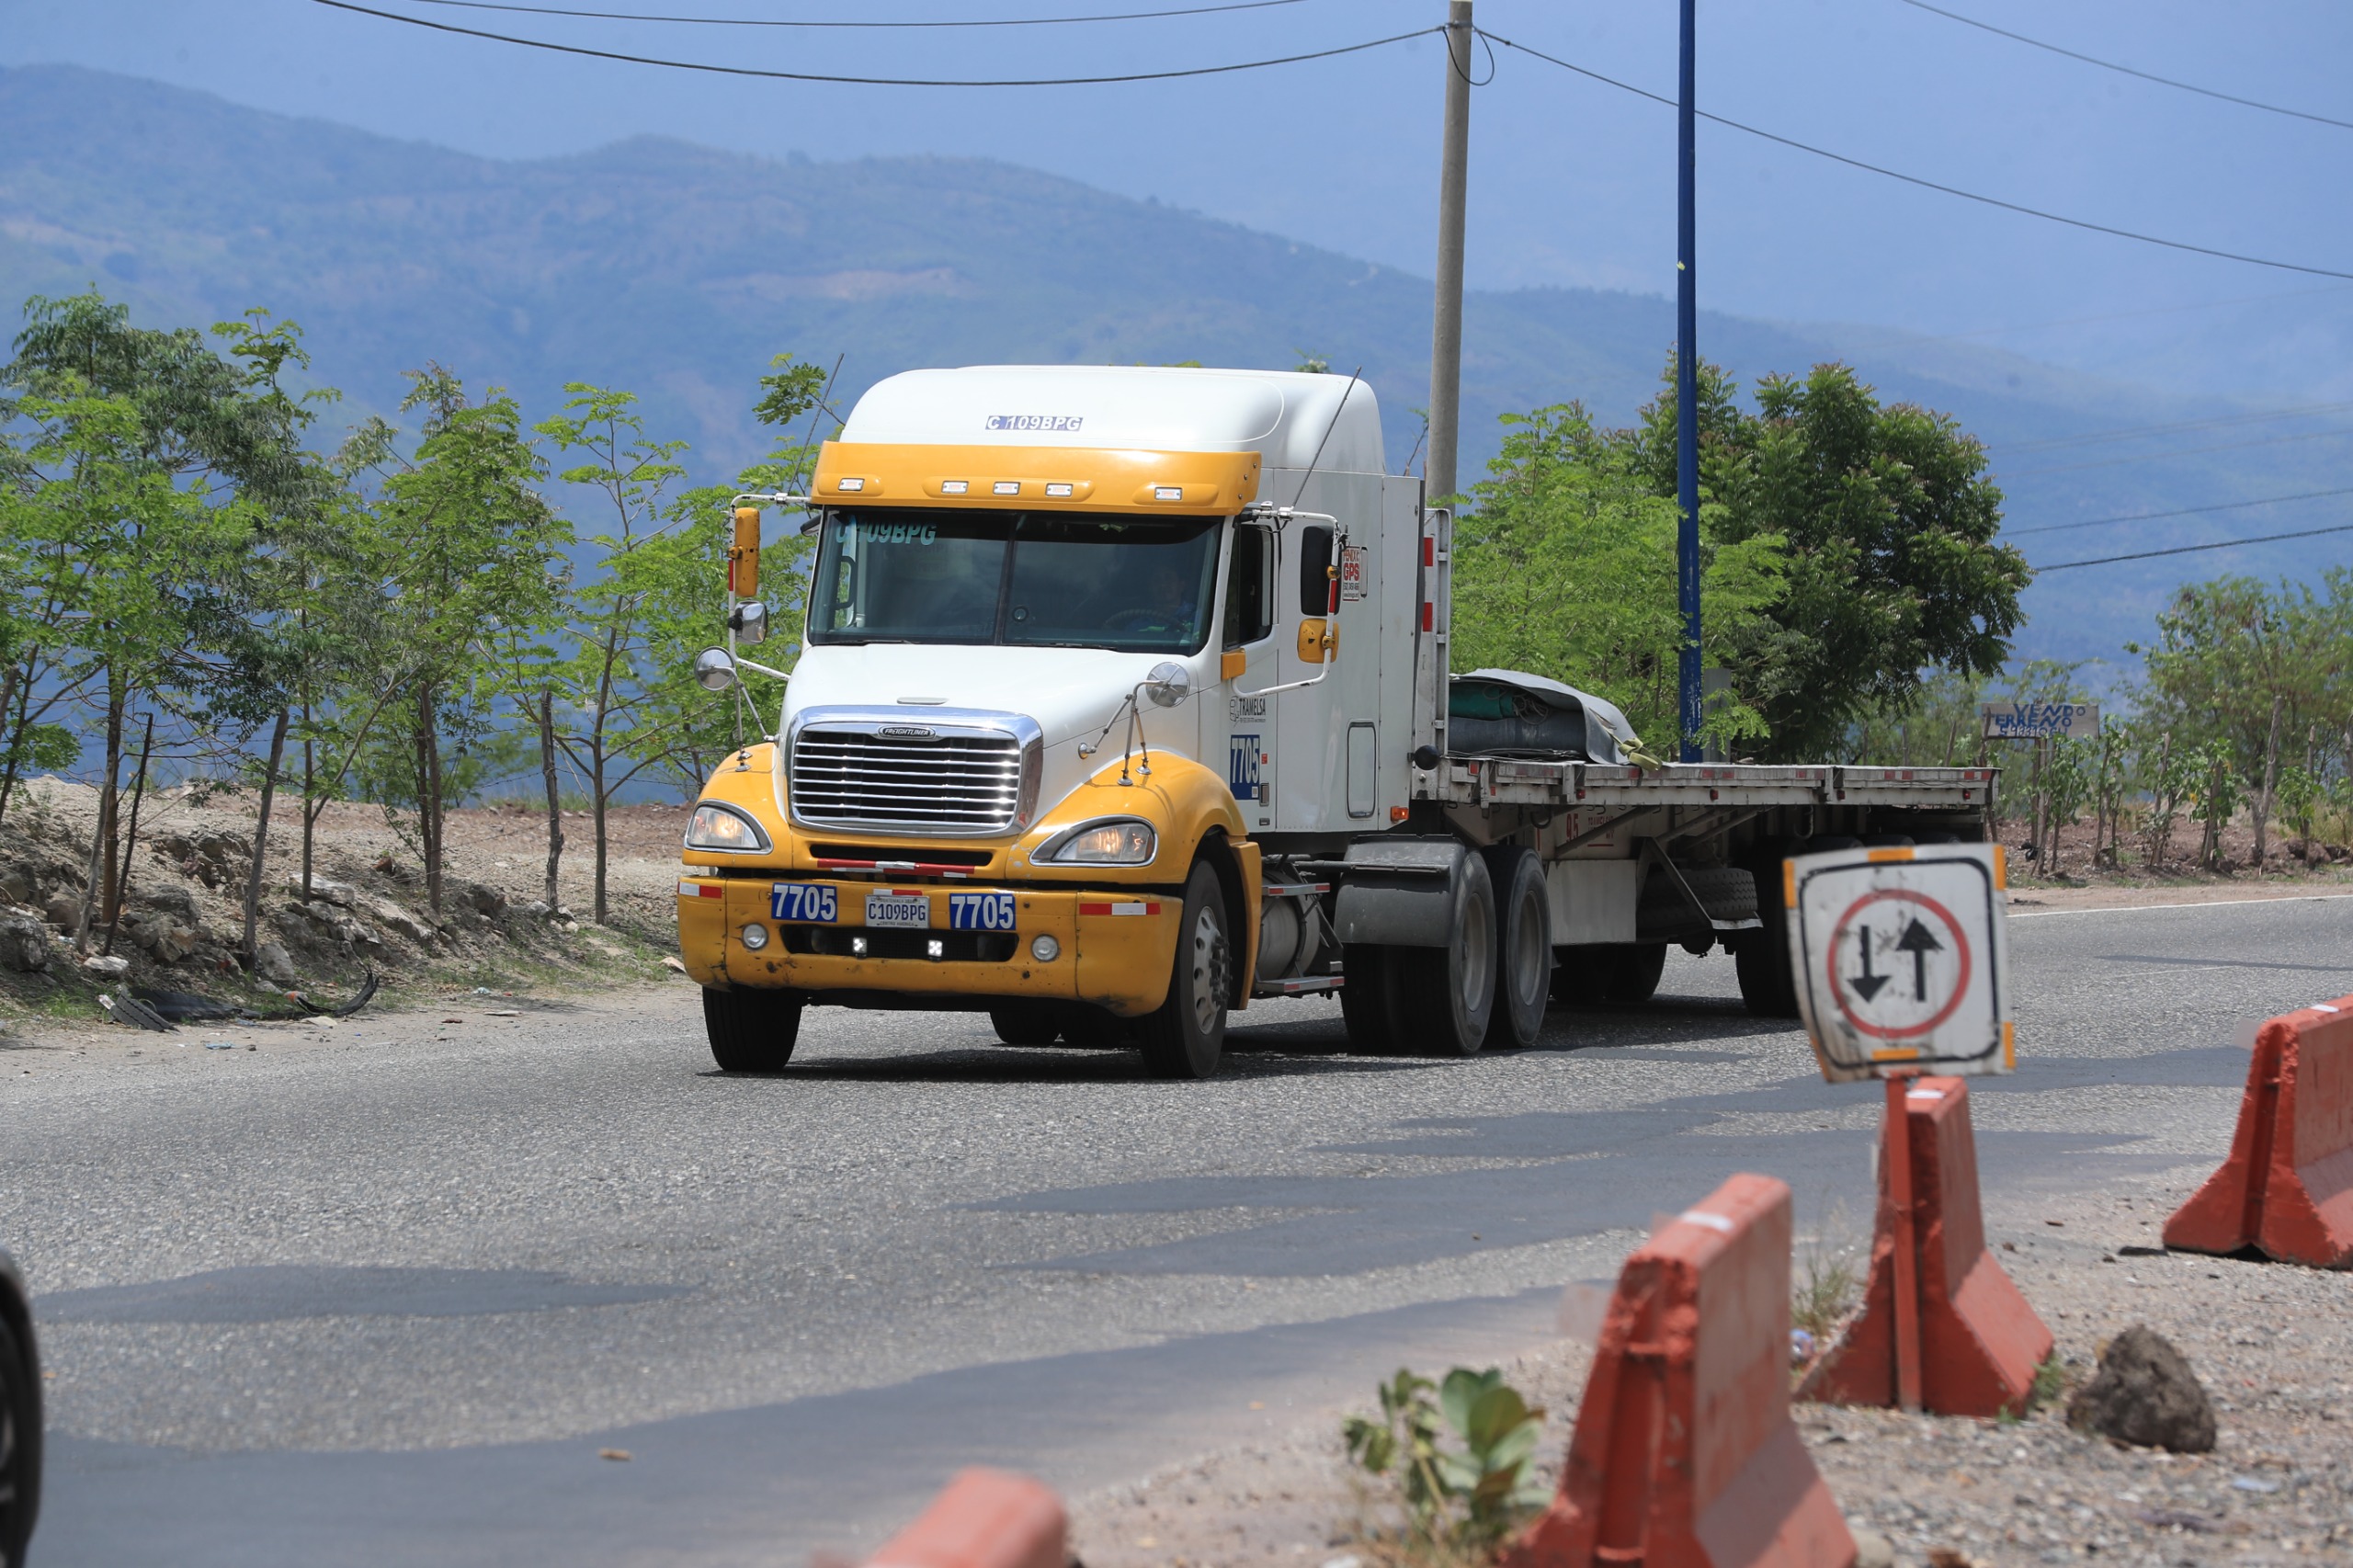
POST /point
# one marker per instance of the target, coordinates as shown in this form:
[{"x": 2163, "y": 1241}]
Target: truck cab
[{"x": 1078, "y": 642}]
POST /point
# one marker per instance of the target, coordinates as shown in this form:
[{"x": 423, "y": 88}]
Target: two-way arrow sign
[{"x": 1917, "y": 940}]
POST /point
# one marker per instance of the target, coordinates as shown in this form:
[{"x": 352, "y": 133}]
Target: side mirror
[
  {"x": 1168, "y": 685},
  {"x": 714, "y": 669},
  {"x": 749, "y": 622}
]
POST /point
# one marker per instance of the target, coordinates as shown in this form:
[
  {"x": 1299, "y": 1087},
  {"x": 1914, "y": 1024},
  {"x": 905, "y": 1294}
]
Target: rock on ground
[{"x": 2144, "y": 1394}]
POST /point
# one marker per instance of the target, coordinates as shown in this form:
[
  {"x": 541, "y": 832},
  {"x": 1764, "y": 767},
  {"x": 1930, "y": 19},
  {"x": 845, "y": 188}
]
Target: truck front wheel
[
  {"x": 751, "y": 1031},
  {"x": 1186, "y": 1036}
]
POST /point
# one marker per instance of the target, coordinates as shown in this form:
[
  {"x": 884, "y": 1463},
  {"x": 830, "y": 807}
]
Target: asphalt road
[{"x": 380, "y": 1295}]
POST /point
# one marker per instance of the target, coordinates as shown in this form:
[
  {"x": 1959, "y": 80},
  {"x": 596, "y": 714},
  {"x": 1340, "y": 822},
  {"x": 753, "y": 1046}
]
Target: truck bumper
[{"x": 1116, "y": 949}]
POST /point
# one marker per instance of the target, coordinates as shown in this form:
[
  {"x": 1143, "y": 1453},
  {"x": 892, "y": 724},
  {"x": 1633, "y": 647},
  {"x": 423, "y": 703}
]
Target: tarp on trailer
[{"x": 1511, "y": 713}]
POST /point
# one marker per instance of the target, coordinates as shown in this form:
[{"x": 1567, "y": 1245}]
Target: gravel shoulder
[{"x": 2273, "y": 1345}]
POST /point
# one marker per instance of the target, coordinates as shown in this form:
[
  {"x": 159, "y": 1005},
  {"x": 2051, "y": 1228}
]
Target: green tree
[
  {"x": 1887, "y": 522},
  {"x": 154, "y": 471},
  {"x": 1564, "y": 567},
  {"x": 463, "y": 546}
]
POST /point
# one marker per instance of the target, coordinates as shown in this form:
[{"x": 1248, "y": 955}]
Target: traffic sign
[
  {"x": 2038, "y": 720},
  {"x": 1902, "y": 958}
]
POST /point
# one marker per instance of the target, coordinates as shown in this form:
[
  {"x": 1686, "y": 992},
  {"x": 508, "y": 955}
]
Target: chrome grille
[{"x": 845, "y": 776}]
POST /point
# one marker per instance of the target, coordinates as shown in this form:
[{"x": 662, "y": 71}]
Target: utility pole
[
  {"x": 1446, "y": 336},
  {"x": 1687, "y": 412}
]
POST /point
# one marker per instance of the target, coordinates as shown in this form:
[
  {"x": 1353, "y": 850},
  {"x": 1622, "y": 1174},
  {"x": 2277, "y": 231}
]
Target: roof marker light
[
  {"x": 1168, "y": 492},
  {"x": 1057, "y": 489},
  {"x": 954, "y": 486},
  {"x": 852, "y": 485},
  {"x": 1006, "y": 487}
]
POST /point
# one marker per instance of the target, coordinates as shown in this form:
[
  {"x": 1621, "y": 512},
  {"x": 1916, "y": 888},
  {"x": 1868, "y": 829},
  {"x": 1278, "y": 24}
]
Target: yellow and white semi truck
[{"x": 1125, "y": 699}]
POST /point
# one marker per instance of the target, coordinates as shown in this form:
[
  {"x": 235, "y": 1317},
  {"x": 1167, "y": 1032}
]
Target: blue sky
[{"x": 1571, "y": 181}]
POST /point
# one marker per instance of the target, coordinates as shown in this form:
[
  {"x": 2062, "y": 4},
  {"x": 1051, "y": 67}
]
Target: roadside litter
[{"x": 163, "y": 1011}]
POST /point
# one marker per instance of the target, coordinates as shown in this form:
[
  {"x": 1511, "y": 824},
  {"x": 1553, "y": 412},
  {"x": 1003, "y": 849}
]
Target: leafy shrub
[{"x": 1462, "y": 1498}]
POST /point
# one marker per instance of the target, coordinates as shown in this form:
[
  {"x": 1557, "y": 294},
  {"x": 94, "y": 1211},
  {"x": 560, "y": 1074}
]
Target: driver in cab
[{"x": 1168, "y": 610}]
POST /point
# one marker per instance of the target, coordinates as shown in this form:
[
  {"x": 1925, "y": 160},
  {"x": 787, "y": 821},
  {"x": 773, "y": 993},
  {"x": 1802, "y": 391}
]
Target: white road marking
[{"x": 2201, "y": 904}]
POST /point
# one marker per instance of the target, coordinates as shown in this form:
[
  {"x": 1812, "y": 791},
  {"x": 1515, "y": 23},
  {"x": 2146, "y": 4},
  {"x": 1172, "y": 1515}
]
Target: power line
[
  {"x": 765, "y": 22},
  {"x": 1897, "y": 338},
  {"x": 874, "y": 80},
  {"x": 2191, "y": 549},
  {"x": 2175, "y": 452},
  {"x": 1912, "y": 179},
  {"x": 2132, "y": 431},
  {"x": 2127, "y": 70},
  {"x": 2183, "y": 512}
]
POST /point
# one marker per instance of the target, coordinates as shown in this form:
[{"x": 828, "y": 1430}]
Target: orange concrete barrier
[
  {"x": 1684, "y": 1455},
  {"x": 2286, "y": 1190},
  {"x": 1942, "y": 1327},
  {"x": 984, "y": 1518}
]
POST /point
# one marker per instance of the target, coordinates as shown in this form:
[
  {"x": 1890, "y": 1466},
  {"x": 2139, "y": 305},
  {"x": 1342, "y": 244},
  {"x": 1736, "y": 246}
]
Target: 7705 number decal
[
  {"x": 813, "y": 903},
  {"x": 980, "y": 912}
]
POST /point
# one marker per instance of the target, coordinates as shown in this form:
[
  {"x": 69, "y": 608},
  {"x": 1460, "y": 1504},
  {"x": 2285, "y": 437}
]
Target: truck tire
[
  {"x": 1726, "y": 893},
  {"x": 1369, "y": 997},
  {"x": 1762, "y": 957},
  {"x": 1026, "y": 1023},
  {"x": 1444, "y": 996},
  {"x": 1184, "y": 1037},
  {"x": 1523, "y": 950},
  {"x": 751, "y": 1031},
  {"x": 20, "y": 1436},
  {"x": 1630, "y": 971}
]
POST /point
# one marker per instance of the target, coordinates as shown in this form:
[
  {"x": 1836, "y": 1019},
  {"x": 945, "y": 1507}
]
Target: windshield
[{"x": 1056, "y": 580}]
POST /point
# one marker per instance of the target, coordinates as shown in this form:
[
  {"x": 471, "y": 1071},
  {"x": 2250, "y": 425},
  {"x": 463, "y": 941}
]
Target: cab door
[{"x": 1251, "y": 663}]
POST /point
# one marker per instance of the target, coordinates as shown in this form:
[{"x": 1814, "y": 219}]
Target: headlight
[
  {"x": 1122, "y": 841},
  {"x": 725, "y": 829}
]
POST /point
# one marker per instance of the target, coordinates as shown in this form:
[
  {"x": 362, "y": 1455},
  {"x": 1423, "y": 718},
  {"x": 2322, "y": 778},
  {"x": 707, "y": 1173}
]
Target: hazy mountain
[{"x": 678, "y": 271}]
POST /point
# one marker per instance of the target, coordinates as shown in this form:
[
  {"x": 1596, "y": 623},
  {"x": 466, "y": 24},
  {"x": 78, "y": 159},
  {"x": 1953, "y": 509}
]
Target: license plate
[
  {"x": 980, "y": 912},
  {"x": 902, "y": 909},
  {"x": 811, "y": 904}
]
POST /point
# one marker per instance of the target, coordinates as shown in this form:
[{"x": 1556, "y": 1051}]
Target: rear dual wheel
[{"x": 1485, "y": 987}]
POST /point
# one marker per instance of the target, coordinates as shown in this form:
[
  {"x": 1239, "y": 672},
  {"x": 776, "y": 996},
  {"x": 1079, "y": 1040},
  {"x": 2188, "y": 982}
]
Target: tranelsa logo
[{"x": 1036, "y": 421}]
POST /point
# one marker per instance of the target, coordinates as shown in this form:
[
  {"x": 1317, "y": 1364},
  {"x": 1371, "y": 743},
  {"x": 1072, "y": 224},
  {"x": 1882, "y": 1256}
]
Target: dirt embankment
[{"x": 182, "y": 922}]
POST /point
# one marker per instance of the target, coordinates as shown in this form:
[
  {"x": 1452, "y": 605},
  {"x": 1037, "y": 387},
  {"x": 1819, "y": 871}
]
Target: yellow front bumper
[{"x": 1118, "y": 948}]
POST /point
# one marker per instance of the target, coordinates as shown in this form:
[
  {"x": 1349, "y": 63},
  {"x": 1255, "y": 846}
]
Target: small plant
[
  {"x": 1460, "y": 1499},
  {"x": 1827, "y": 1295},
  {"x": 2051, "y": 1378}
]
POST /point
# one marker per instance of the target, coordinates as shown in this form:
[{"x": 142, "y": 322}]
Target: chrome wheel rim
[
  {"x": 1208, "y": 971},
  {"x": 1528, "y": 954},
  {"x": 1478, "y": 945}
]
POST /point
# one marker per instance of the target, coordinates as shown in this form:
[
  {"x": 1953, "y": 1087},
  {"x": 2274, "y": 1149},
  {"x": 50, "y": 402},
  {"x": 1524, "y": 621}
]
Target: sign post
[{"x": 1902, "y": 959}]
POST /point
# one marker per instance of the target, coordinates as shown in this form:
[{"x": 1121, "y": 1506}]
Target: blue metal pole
[{"x": 1686, "y": 415}]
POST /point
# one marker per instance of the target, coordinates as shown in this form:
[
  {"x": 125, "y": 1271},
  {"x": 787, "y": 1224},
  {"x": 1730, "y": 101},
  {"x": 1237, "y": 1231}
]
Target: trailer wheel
[
  {"x": 1524, "y": 953},
  {"x": 1761, "y": 956},
  {"x": 1444, "y": 996},
  {"x": 1186, "y": 1037},
  {"x": 1026, "y": 1023},
  {"x": 751, "y": 1031},
  {"x": 1369, "y": 997},
  {"x": 1631, "y": 972}
]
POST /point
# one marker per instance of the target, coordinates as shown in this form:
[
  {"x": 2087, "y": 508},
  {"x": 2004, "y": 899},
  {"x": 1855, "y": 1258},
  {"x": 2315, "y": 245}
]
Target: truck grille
[{"x": 846, "y": 776}]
